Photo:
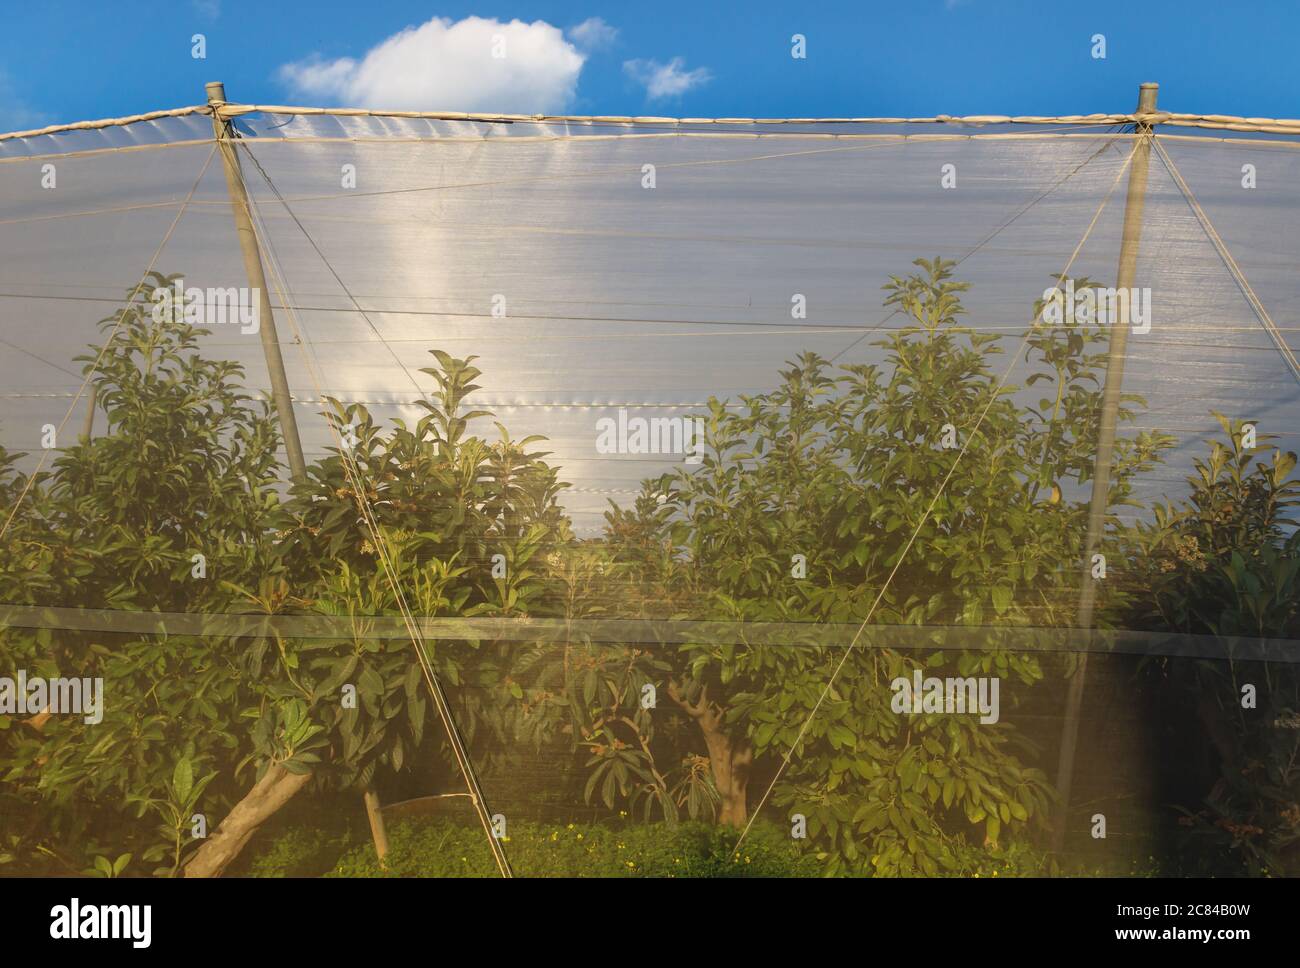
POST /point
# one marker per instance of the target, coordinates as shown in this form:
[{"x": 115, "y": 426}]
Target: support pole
[
  {"x": 216, "y": 92},
  {"x": 92, "y": 400},
  {"x": 1110, "y": 398},
  {"x": 375, "y": 814}
]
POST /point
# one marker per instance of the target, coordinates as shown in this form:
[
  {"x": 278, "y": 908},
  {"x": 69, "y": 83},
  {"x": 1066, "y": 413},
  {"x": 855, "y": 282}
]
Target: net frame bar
[{"x": 229, "y": 111}]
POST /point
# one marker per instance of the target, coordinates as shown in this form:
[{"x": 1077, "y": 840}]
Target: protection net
[{"x": 680, "y": 497}]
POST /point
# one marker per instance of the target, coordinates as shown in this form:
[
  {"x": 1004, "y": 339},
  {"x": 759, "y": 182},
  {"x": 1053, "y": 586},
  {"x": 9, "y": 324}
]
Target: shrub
[
  {"x": 1226, "y": 562},
  {"x": 448, "y": 849},
  {"x": 845, "y": 465},
  {"x": 300, "y": 852}
]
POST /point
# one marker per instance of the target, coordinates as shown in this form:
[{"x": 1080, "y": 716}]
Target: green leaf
[{"x": 183, "y": 780}]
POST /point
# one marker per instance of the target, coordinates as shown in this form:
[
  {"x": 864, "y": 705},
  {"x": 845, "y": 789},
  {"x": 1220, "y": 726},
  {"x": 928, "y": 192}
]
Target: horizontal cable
[
  {"x": 653, "y": 631},
  {"x": 228, "y": 111},
  {"x": 107, "y": 122}
]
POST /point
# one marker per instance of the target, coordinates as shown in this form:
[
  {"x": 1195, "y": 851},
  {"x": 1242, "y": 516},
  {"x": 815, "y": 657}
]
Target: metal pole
[
  {"x": 216, "y": 92},
  {"x": 1128, "y": 256}
]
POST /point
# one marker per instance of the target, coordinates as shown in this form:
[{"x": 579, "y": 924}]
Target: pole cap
[
  {"x": 1147, "y": 97},
  {"x": 216, "y": 91}
]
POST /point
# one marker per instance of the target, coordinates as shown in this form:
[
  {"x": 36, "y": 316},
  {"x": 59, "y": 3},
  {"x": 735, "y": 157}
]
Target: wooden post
[
  {"x": 375, "y": 814},
  {"x": 216, "y": 92},
  {"x": 1110, "y": 399}
]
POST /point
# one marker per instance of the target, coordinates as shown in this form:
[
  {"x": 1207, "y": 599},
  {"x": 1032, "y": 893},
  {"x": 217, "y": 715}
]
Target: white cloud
[
  {"x": 446, "y": 65},
  {"x": 15, "y": 114},
  {"x": 593, "y": 34},
  {"x": 665, "y": 80}
]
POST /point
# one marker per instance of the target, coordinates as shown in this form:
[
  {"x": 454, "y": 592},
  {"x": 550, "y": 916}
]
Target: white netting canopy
[
  {"x": 610, "y": 295},
  {"x": 665, "y": 302}
]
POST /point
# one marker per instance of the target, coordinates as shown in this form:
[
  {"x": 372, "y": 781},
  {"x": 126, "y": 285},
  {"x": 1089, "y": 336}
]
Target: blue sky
[{"x": 67, "y": 61}]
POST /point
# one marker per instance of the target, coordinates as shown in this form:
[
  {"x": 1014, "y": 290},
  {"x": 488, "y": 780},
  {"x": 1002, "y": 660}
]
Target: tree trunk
[
  {"x": 729, "y": 758},
  {"x": 276, "y": 788}
]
